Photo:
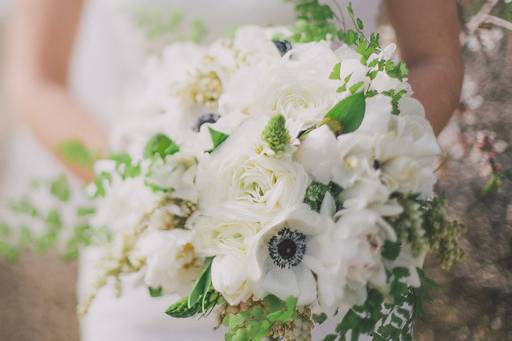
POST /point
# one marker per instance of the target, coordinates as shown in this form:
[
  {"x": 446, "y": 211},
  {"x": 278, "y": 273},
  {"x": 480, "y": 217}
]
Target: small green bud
[{"x": 276, "y": 135}]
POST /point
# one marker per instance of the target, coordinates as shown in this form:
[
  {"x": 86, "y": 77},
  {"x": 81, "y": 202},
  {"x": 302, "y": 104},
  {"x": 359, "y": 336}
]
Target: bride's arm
[
  {"x": 41, "y": 36},
  {"x": 428, "y": 35}
]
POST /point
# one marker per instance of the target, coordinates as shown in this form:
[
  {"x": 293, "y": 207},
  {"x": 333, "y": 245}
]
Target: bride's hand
[{"x": 40, "y": 44}]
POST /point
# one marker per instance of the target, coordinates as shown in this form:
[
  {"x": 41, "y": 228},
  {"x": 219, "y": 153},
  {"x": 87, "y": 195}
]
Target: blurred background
[
  {"x": 474, "y": 302},
  {"x": 38, "y": 292}
]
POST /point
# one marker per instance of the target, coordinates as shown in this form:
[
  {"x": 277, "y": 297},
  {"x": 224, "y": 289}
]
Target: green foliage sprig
[
  {"x": 315, "y": 194},
  {"x": 387, "y": 318},
  {"x": 409, "y": 224},
  {"x": 160, "y": 146},
  {"x": 16, "y": 238},
  {"x": 443, "y": 235},
  {"x": 257, "y": 319},
  {"x": 202, "y": 299}
]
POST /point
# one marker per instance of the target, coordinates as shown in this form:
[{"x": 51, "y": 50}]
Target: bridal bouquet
[{"x": 279, "y": 178}]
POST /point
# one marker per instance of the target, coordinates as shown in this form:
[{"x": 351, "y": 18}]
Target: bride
[{"x": 70, "y": 61}]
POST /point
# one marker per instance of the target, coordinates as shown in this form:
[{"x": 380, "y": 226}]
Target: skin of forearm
[
  {"x": 41, "y": 35},
  {"x": 428, "y": 36},
  {"x": 54, "y": 117},
  {"x": 437, "y": 84}
]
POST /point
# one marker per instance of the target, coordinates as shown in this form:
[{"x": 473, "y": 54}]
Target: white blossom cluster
[{"x": 248, "y": 189}]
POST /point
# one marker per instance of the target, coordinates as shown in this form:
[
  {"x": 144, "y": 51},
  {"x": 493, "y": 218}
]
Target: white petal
[
  {"x": 316, "y": 153},
  {"x": 282, "y": 283},
  {"x": 328, "y": 207},
  {"x": 307, "y": 285}
]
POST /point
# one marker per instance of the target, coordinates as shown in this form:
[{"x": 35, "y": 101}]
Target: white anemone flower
[{"x": 284, "y": 253}]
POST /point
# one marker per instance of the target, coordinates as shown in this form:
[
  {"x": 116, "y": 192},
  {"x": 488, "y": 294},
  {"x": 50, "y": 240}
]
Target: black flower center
[
  {"x": 282, "y": 46},
  {"x": 206, "y": 118},
  {"x": 376, "y": 164},
  {"x": 287, "y": 248}
]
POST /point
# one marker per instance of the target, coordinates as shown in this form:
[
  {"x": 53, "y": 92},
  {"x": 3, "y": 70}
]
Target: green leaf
[
  {"x": 74, "y": 151},
  {"x": 360, "y": 24},
  {"x": 99, "y": 184},
  {"x": 160, "y": 146},
  {"x": 347, "y": 115},
  {"x": 155, "y": 292},
  {"x": 272, "y": 303},
  {"x": 10, "y": 252},
  {"x": 202, "y": 284},
  {"x": 85, "y": 211},
  {"x": 391, "y": 250},
  {"x": 181, "y": 308},
  {"x": 319, "y": 318},
  {"x": 25, "y": 207},
  {"x": 125, "y": 166},
  {"x": 217, "y": 137},
  {"x": 60, "y": 189},
  {"x": 336, "y": 72},
  {"x": 356, "y": 87}
]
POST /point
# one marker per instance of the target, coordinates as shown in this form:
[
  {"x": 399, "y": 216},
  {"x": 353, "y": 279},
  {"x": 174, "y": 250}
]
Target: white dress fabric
[{"x": 108, "y": 54}]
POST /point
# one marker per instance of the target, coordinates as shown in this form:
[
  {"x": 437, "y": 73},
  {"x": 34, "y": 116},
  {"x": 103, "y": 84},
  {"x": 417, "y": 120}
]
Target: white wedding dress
[{"x": 108, "y": 55}]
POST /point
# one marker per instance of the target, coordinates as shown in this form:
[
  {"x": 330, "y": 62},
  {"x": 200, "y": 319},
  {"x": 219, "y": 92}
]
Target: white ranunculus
[
  {"x": 246, "y": 179},
  {"x": 172, "y": 263},
  {"x": 298, "y": 87}
]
